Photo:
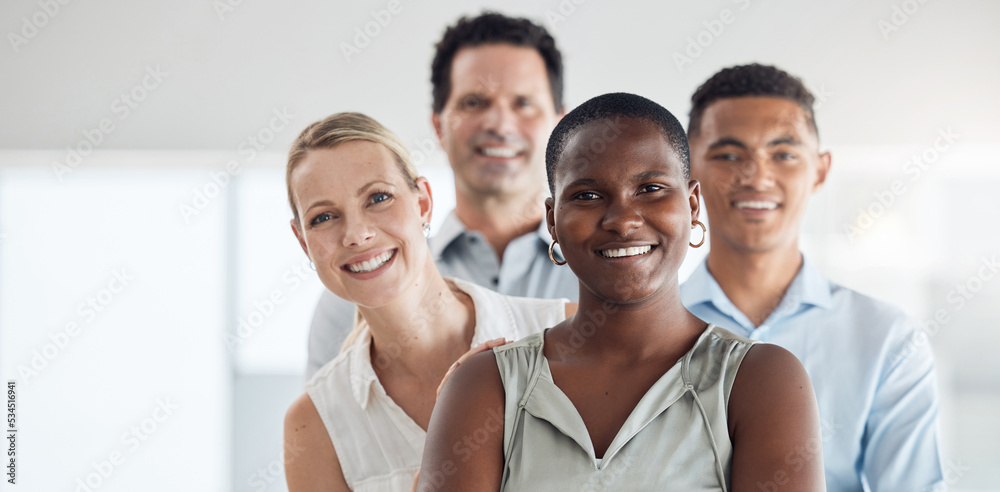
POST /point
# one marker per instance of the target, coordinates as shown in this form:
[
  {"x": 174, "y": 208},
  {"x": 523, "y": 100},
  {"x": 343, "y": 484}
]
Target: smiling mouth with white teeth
[
  {"x": 372, "y": 264},
  {"x": 757, "y": 205},
  {"x": 625, "y": 252},
  {"x": 503, "y": 152}
]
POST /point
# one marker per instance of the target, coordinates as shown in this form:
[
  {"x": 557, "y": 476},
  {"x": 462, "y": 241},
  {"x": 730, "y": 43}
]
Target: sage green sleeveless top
[{"x": 676, "y": 438}]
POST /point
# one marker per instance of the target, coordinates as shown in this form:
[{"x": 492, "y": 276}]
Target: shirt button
[{"x": 496, "y": 280}]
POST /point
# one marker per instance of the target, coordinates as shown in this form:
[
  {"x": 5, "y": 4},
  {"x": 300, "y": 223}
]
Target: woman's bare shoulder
[
  {"x": 773, "y": 415},
  {"x": 311, "y": 462}
]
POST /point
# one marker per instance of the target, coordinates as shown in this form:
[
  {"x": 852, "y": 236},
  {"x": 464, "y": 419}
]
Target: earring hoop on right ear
[
  {"x": 704, "y": 233},
  {"x": 552, "y": 256}
]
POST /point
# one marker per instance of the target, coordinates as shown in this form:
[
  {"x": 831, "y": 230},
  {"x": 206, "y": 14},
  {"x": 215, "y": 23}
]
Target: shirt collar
[
  {"x": 700, "y": 287},
  {"x": 361, "y": 372},
  {"x": 452, "y": 228},
  {"x": 808, "y": 287}
]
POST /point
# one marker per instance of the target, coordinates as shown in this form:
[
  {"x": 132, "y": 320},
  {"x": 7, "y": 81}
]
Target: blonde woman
[{"x": 360, "y": 213}]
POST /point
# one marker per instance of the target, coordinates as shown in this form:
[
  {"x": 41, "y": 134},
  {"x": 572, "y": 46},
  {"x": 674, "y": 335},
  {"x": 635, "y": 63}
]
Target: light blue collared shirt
[
  {"x": 872, "y": 370},
  {"x": 524, "y": 271}
]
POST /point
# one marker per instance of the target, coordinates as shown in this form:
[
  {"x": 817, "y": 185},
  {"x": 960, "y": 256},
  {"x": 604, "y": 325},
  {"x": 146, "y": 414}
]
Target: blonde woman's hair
[
  {"x": 331, "y": 132},
  {"x": 346, "y": 127}
]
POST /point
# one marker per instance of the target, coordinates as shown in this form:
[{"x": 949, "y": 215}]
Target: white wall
[
  {"x": 169, "y": 334},
  {"x": 110, "y": 316},
  {"x": 227, "y": 74}
]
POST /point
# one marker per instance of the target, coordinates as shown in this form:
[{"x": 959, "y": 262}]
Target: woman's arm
[
  {"x": 464, "y": 447},
  {"x": 311, "y": 463},
  {"x": 774, "y": 424}
]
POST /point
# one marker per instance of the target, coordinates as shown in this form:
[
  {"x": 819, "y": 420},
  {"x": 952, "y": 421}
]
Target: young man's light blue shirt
[{"x": 872, "y": 370}]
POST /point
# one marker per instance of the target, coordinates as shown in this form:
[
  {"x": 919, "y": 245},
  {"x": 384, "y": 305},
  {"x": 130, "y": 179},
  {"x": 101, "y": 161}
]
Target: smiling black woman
[{"x": 635, "y": 392}]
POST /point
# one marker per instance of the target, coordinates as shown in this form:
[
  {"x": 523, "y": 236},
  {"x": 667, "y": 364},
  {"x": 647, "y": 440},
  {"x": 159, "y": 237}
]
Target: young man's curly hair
[{"x": 748, "y": 81}]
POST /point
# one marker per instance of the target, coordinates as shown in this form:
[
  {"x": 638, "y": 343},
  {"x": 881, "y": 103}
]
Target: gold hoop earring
[
  {"x": 552, "y": 257},
  {"x": 704, "y": 233}
]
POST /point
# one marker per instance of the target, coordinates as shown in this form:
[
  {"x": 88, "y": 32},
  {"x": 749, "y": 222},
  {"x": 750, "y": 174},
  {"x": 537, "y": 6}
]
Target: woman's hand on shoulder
[
  {"x": 464, "y": 446},
  {"x": 571, "y": 308},
  {"x": 774, "y": 424},
  {"x": 311, "y": 462}
]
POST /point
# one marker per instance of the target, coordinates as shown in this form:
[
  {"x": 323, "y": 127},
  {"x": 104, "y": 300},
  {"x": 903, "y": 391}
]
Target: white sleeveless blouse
[{"x": 378, "y": 445}]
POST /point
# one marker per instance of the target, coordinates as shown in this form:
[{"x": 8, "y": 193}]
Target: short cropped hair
[
  {"x": 753, "y": 80},
  {"x": 613, "y": 106},
  {"x": 346, "y": 127},
  {"x": 494, "y": 28}
]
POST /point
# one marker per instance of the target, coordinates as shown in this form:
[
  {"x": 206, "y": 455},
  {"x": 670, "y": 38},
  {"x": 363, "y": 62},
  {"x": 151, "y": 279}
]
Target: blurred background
[{"x": 154, "y": 304}]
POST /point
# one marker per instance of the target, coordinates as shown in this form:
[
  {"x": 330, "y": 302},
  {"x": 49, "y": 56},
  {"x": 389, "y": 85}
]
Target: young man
[
  {"x": 497, "y": 87},
  {"x": 755, "y": 150}
]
